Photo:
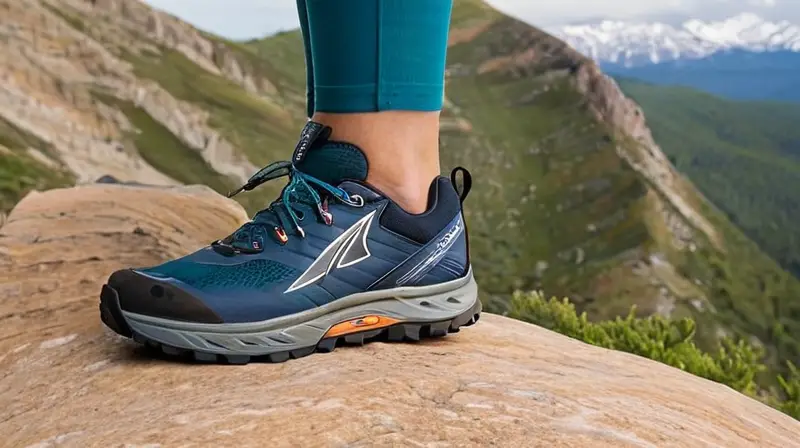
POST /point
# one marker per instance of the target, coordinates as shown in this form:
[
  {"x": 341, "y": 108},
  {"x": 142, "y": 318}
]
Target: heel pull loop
[{"x": 466, "y": 182}]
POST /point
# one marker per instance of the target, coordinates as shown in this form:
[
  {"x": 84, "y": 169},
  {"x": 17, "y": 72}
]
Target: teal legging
[{"x": 374, "y": 55}]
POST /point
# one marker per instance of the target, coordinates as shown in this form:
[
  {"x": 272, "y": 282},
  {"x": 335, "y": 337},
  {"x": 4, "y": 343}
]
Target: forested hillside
[{"x": 743, "y": 156}]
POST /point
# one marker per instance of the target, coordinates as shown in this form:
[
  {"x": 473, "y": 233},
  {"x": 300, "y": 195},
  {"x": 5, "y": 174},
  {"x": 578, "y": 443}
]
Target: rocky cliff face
[
  {"x": 69, "y": 381},
  {"x": 57, "y": 55},
  {"x": 572, "y": 195},
  {"x": 610, "y": 105}
]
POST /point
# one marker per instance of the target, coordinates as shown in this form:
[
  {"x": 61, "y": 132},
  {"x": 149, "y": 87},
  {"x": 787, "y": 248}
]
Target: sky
[{"x": 244, "y": 19}]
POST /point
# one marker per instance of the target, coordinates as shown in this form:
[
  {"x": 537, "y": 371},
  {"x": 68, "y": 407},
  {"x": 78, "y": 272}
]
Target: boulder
[{"x": 67, "y": 380}]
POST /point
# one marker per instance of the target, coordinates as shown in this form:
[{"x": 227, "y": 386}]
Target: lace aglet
[
  {"x": 235, "y": 192},
  {"x": 323, "y": 212}
]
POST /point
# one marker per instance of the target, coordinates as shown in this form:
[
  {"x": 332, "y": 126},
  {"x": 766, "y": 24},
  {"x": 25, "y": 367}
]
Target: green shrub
[
  {"x": 736, "y": 364},
  {"x": 789, "y": 399}
]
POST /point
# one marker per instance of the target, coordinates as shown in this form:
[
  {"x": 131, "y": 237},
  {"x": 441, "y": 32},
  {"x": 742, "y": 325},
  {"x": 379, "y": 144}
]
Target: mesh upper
[
  {"x": 331, "y": 162},
  {"x": 254, "y": 274}
]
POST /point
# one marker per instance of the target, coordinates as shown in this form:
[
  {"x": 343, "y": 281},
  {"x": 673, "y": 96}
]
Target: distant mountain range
[
  {"x": 744, "y": 57},
  {"x": 735, "y": 74},
  {"x": 643, "y": 43}
]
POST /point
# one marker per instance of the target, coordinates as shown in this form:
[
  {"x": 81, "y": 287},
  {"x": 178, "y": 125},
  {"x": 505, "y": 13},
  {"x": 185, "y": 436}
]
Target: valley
[{"x": 744, "y": 156}]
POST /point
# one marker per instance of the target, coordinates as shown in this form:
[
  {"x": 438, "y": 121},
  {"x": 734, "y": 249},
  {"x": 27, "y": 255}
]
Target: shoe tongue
[{"x": 328, "y": 161}]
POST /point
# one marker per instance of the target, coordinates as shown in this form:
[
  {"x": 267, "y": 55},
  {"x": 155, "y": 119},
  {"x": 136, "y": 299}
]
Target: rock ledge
[{"x": 68, "y": 381}]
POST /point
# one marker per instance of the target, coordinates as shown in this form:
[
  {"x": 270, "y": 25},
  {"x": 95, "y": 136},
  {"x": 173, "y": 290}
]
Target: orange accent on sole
[{"x": 365, "y": 323}]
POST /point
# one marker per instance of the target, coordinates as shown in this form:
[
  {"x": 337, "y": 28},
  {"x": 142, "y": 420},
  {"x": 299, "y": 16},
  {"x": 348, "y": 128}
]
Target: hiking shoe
[{"x": 332, "y": 260}]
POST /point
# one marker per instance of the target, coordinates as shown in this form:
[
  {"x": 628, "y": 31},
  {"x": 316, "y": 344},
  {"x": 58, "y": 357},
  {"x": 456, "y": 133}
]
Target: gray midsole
[{"x": 411, "y": 304}]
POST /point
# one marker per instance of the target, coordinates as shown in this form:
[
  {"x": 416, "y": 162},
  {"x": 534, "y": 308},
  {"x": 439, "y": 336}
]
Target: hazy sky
[{"x": 241, "y": 19}]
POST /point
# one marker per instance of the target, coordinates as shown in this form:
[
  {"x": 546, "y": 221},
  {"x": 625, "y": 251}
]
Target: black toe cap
[{"x": 141, "y": 294}]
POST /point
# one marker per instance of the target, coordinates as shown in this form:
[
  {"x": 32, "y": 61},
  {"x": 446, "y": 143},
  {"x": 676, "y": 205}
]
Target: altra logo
[
  {"x": 346, "y": 250},
  {"x": 442, "y": 246},
  {"x": 302, "y": 147},
  {"x": 308, "y": 136}
]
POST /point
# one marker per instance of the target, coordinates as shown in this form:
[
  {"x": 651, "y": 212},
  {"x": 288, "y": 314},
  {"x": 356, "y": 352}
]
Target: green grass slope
[
  {"x": 259, "y": 127},
  {"x": 744, "y": 156},
  {"x": 20, "y": 172},
  {"x": 164, "y": 151}
]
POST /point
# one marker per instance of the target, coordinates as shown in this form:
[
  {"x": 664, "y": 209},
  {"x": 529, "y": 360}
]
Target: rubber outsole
[{"x": 112, "y": 316}]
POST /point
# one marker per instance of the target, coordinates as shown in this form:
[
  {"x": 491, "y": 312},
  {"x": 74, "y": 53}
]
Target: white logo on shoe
[{"x": 346, "y": 250}]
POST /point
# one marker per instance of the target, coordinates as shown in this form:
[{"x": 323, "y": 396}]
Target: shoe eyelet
[
  {"x": 300, "y": 215},
  {"x": 281, "y": 234},
  {"x": 327, "y": 218},
  {"x": 356, "y": 201}
]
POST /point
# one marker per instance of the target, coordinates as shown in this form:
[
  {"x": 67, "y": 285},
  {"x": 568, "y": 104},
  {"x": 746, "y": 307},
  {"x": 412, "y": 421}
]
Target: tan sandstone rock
[{"x": 67, "y": 381}]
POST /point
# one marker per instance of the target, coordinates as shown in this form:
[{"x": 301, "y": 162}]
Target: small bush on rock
[
  {"x": 789, "y": 399},
  {"x": 736, "y": 364}
]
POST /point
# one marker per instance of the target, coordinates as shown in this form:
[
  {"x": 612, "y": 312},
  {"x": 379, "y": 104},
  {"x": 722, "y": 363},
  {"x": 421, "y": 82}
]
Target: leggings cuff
[{"x": 375, "y": 98}]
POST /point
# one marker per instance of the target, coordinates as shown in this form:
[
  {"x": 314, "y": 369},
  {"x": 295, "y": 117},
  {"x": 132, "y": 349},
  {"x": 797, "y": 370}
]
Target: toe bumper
[
  {"x": 111, "y": 313},
  {"x": 132, "y": 291}
]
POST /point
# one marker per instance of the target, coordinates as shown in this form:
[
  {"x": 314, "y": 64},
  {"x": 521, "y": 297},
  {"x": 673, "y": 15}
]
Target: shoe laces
[{"x": 301, "y": 188}]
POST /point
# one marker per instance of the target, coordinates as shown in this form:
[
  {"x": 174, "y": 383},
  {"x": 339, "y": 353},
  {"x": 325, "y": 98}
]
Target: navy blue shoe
[{"x": 332, "y": 260}]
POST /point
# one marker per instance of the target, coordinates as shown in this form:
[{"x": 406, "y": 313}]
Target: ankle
[
  {"x": 402, "y": 149},
  {"x": 411, "y": 194}
]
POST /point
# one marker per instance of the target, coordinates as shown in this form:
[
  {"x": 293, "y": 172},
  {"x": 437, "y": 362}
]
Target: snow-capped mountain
[{"x": 636, "y": 43}]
